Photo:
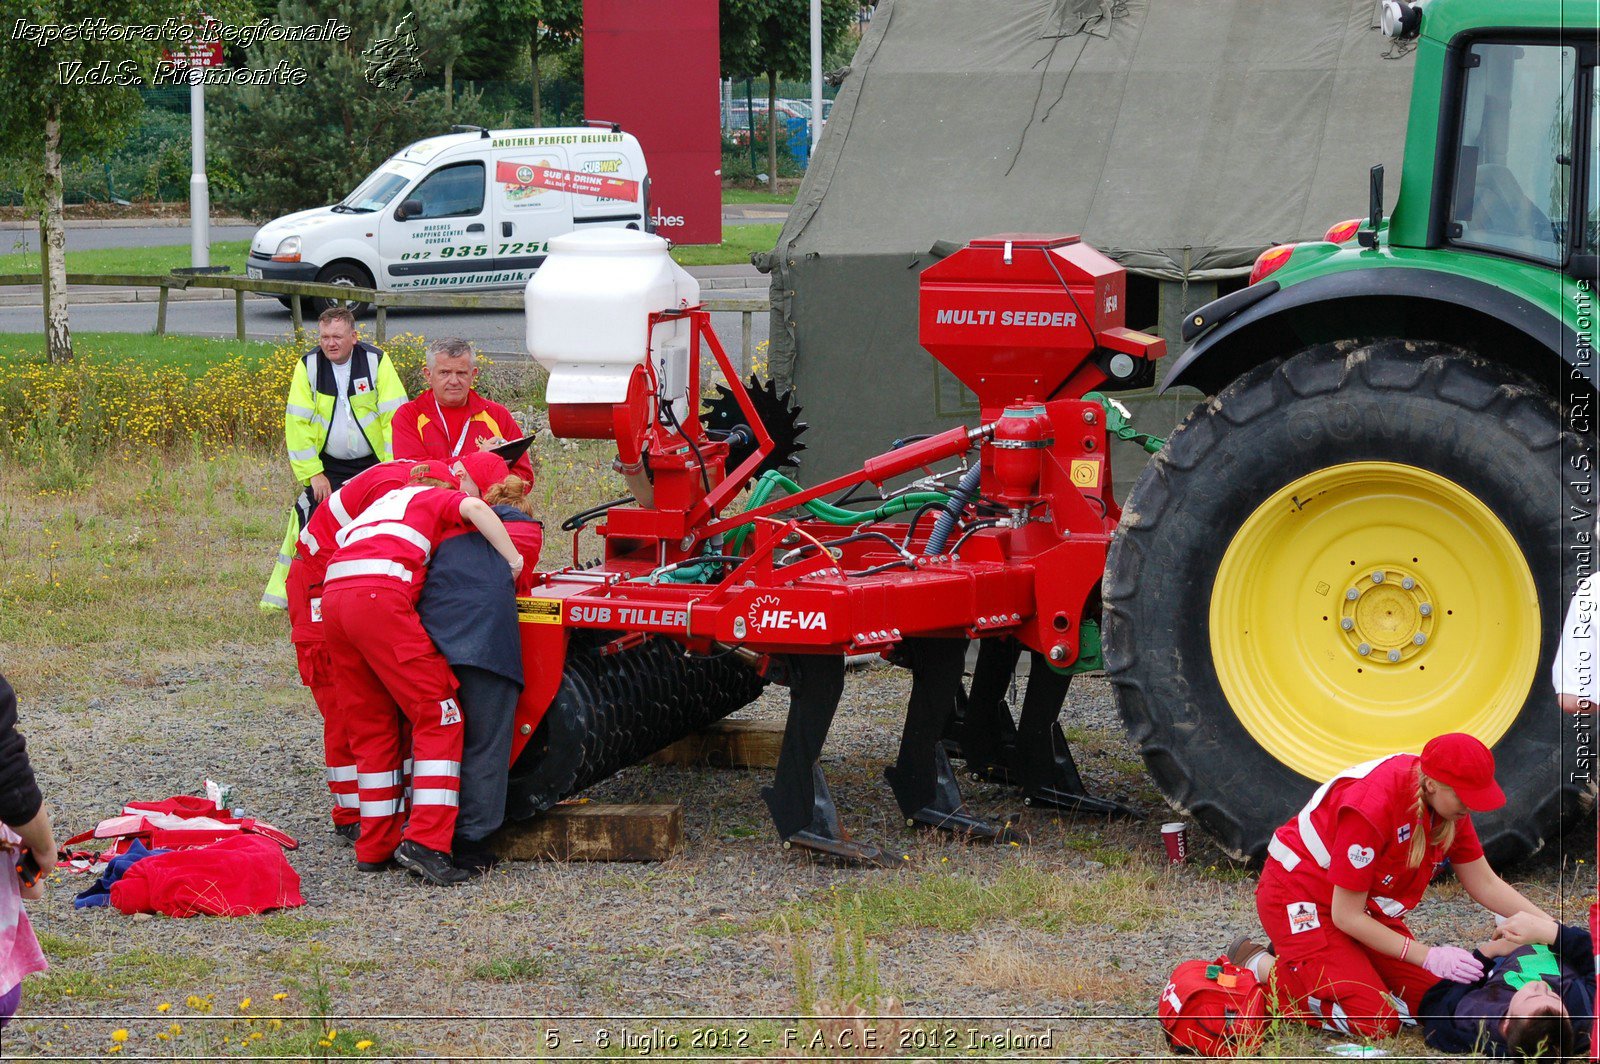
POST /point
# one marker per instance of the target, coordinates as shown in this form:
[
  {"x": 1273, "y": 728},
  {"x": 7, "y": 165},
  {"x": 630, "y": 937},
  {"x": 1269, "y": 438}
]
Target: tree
[
  {"x": 773, "y": 37},
  {"x": 553, "y": 28},
  {"x": 303, "y": 146},
  {"x": 56, "y": 108},
  {"x": 443, "y": 28}
]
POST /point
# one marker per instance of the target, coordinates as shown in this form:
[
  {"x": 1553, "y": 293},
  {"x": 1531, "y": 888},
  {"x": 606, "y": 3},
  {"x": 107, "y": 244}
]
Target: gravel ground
[{"x": 1098, "y": 920}]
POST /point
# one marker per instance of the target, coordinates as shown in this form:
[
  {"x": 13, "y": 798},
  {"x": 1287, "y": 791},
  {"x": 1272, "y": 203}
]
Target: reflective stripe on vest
[
  {"x": 1315, "y": 847},
  {"x": 366, "y": 567}
]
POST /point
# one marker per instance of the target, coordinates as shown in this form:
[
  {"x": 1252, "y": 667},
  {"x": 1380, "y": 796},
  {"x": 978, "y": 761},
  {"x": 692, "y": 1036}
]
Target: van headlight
[{"x": 288, "y": 250}]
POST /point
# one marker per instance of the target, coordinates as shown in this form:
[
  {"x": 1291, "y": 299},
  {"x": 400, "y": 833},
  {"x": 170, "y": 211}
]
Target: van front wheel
[{"x": 349, "y": 274}]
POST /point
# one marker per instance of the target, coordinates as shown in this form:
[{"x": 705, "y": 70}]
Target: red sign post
[{"x": 653, "y": 68}]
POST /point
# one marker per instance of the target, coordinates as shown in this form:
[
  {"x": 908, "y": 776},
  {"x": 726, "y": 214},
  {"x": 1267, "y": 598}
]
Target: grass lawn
[
  {"x": 133, "y": 260},
  {"x": 192, "y": 354},
  {"x": 741, "y": 240},
  {"x": 757, "y": 195},
  {"x": 737, "y": 244}
]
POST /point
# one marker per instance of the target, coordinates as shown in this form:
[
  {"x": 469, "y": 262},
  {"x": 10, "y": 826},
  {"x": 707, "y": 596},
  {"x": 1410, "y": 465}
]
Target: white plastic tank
[{"x": 589, "y": 307}]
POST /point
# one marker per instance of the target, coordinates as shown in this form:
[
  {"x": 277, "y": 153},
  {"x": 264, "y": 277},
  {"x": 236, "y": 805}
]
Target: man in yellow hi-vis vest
[{"x": 342, "y": 400}]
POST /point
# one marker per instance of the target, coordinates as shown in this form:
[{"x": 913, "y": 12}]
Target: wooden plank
[
  {"x": 383, "y": 327},
  {"x": 726, "y": 744},
  {"x": 297, "y": 317},
  {"x": 161, "y": 313},
  {"x": 238, "y": 311},
  {"x": 590, "y": 831}
]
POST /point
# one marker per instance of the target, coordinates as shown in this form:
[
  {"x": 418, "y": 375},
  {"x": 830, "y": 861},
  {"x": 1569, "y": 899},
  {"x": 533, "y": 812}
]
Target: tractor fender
[{"x": 1245, "y": 339}]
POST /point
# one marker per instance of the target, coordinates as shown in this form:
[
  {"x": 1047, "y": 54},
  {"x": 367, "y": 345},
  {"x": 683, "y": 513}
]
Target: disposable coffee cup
[{"x": 1175, "y": 837}]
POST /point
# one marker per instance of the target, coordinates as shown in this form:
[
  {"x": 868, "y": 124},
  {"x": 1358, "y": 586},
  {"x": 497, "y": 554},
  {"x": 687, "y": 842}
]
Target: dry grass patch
[{"x": 1061, "y": 975}]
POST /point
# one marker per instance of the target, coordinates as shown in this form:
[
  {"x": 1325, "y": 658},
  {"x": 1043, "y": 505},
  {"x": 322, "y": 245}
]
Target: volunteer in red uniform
[
  {"x": 312, "y": 551},
  {"x": 1343, "y": 873},
  {"x": 387, "y": 668},
  {"x": 451, "y": 419}
]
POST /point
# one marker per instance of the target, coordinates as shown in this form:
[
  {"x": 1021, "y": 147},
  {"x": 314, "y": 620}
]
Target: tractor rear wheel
[{"x": 1343, "y": 554}]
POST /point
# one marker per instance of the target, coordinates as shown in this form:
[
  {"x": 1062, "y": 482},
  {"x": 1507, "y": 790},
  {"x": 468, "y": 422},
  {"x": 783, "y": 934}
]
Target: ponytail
[
  {"x": 1443, "y": 836},
  {"x": 512, "y": 491}
]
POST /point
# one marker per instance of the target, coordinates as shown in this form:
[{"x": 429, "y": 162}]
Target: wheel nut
[
  {"x": 1352, "y": 594},
  {"x": 1425, "y": 609},
  {"x": 1347, "y": 624},
  {"x": 1377, "y": 577},
  {"x": 1420, "y": 638},
  {"x": 1058, "y": 653},
  {"x": 1394, "y": 655},
  {"x": 1408, "y": 583},
  {"x": 1364, "y": 649}
]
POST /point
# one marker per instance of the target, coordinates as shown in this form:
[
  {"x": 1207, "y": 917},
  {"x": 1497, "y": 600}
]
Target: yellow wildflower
[
  {"x": 245, "y": 1004},
  {"x": 119, "y": 1035},
  {"x": 280, "y": 995},
  {"x": 365, "y": 1043},
  {"x": 165, "y": 1006}
]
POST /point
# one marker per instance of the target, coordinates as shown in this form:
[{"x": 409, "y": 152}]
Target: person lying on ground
[{"x": 1535, "y": 999}]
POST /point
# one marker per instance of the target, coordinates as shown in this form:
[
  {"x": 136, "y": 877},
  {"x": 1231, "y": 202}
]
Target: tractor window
[
  {"x": 1591, "y": 201},
  {"x": 1513, "y": 167}
]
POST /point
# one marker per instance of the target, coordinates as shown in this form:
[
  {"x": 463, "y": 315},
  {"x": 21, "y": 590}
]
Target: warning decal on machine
[
  {"x": 1085, "y": 473},
  {"x": 539, "y": 611}
]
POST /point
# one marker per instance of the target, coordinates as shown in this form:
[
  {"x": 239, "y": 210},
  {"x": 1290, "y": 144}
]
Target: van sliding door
[{"x": 530, "y": 207}]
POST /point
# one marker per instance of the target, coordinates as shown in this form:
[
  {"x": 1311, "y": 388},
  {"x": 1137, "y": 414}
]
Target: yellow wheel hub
[{"x": 1367, "y": 607}]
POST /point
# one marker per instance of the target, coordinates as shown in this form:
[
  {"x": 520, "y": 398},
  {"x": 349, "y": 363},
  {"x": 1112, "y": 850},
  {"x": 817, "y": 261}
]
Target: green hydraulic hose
[
  {"x": 825, "y": 511},
  {"x": 1122, "y": 428}
]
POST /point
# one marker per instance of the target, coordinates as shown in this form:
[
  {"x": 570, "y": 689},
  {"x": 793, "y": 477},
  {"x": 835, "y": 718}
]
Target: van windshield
[{"x": 376, "y": 191}]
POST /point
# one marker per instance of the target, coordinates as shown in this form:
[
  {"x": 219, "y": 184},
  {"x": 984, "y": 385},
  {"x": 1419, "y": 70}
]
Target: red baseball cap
[
  {"x": 438, "y": 471},
  {"x": 485, "y": 468},
  {"x": 1460, "y": 761}
]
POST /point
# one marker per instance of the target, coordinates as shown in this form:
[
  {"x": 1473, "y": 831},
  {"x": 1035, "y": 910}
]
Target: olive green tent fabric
[{"x": 1181, "y": 137}]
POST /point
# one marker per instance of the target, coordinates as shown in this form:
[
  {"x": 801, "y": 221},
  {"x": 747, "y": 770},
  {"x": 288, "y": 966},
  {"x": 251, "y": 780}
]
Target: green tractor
[{"x": 1368, "y": 533}]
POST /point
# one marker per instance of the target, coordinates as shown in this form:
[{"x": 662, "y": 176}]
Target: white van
[{"x": 470, "y": 210}]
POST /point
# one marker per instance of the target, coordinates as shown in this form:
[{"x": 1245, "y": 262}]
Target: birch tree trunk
[{"x": 53, "y": 245}]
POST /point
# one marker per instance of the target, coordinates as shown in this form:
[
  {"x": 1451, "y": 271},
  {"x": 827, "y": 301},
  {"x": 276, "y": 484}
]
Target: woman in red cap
[
  {"x": 1342, "y": 874},
  {"x": 387, "y": 667}
]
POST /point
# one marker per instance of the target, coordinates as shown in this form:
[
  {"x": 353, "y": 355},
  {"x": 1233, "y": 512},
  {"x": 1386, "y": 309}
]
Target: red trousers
[
  {"x": 1324, "y": 977},
  {"x": 310, "y": 650},
  {"x": 388, "y": 675}
]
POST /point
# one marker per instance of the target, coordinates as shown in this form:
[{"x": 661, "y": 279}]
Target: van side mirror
[{"x": 408, "y": 209}]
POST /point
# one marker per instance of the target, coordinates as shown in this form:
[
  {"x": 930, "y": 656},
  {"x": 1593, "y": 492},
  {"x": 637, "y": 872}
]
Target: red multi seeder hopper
[{"x": 999, "y": 536}]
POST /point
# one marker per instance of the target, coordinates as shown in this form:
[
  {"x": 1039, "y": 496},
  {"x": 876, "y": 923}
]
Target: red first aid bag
[{"x": 1213, "y": 1008}]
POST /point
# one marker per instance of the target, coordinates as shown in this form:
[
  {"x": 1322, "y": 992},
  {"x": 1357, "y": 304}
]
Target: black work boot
[
  {"x": 346, "y": 834},
  {"x": 431, "y": 865}
]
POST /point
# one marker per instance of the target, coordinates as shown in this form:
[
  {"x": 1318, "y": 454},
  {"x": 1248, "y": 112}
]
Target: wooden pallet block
[
  {"x": 592, "y": 831},
  {"x": 726, "y": 744}
]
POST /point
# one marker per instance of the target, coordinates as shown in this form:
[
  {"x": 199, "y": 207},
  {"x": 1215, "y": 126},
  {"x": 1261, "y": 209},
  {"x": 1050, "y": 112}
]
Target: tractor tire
[
  {"x": 1342, "y": 554},
  {"x": 346, "y": 273}
]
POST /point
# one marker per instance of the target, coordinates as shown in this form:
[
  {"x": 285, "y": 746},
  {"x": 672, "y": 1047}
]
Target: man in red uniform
[
  {"x": 450, "y": 418},
  {"x": 1343, "y": 873},
  {"x": 388, "y": 669},
  {"x": 312, "y": 551}
]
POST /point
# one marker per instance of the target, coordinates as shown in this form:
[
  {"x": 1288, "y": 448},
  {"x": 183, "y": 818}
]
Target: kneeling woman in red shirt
[
  {"x": 1343, "y": 873},
  {"x": 386, "y": 666}
]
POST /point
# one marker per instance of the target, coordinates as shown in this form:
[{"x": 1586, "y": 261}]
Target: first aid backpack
[{"x": 1214, "y": 1009}]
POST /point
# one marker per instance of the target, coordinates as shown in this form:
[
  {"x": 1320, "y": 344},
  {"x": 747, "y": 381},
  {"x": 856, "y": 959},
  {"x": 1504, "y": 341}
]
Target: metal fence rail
[{"x": 745, "y": 305}]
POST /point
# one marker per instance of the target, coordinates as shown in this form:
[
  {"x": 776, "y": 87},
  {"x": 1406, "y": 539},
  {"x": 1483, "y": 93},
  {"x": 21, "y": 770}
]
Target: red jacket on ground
[
  {"x": 420, "y": 429},
  {"x": 235, "y": 877}
]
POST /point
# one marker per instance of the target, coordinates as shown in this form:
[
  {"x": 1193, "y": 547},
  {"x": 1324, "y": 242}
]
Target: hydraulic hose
[
  {"x": 945, "y": 523},
  {"x": 824, "y": 511}
]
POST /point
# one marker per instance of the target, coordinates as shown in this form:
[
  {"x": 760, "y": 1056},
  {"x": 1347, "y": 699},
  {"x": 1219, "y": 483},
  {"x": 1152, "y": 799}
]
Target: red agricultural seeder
[{"x": 697, "y": 603}]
